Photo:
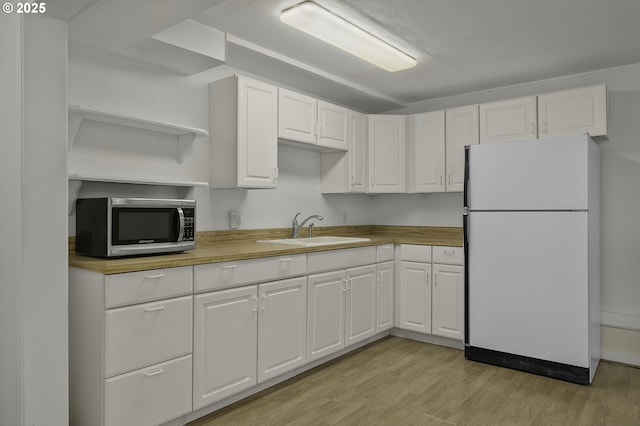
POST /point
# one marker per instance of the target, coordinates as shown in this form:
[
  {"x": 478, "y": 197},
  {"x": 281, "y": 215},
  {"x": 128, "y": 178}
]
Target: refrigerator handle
[
  {"x": 465, "y": 199},
  {"x": 465, "y": 241}
]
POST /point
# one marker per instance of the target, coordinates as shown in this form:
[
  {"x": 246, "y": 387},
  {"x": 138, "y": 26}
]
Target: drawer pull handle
[
  {"x": 154, "y": 373},
  {"x": 229, "y": 266},
  {"x": 154, "y": 308},
  {"x": 153, "y": 277},
  {"x": 449, "y": 251},
  {"x": 286, "y": 259}
]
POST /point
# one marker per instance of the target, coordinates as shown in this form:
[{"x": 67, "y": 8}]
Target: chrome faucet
[{"x": 296, "y": 226}]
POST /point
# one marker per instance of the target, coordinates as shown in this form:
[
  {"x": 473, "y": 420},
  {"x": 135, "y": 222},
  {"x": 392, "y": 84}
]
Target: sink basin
[{"x": 315, "y": 241}]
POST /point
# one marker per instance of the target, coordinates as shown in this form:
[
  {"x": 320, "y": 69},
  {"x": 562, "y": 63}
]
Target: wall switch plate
[{"x": 235, "y": 219}]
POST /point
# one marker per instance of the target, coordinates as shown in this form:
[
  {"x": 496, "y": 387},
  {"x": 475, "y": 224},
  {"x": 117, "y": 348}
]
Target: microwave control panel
[{"x": 189, "y": 224}]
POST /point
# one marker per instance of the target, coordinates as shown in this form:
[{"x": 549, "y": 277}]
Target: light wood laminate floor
[{"x": 401, "y": 382}]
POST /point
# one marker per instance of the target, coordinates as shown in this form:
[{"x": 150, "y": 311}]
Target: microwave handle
[{"x": 180, "y": 223}]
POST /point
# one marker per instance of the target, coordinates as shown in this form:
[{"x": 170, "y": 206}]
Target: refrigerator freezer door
[
  {"x": 528, "y": 284},
  {"x": 548, "y": 174}
]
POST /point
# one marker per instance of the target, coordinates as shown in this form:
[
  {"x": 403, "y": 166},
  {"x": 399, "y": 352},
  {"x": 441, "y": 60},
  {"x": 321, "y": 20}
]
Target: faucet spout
[{"x": 296, "y": 227}]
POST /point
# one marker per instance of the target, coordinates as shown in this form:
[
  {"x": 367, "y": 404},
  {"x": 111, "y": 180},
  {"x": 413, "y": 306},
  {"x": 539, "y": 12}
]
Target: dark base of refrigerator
[{"x": 556, "y": 370}]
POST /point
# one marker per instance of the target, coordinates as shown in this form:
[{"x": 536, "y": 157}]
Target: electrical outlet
[{"x": 235, "y": 219}]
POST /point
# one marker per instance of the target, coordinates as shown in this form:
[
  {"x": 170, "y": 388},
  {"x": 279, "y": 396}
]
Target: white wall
[
  {"x": 44, "y": 215},
  {"x": 10, "y": 222},
  {"x": 105, "y": 82},
  {"x": 620, "y": 175},
  {"x": 33, "y": 254}
]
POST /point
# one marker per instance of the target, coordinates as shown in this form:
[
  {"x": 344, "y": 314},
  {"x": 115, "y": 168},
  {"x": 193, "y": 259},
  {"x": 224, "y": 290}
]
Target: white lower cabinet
[
  {"x": 448, "y": 299},
  {"x": 360, "y": 304},
  {"x": 431, "y": 290},
  {"x": 225, "y": 344},
  {"x": 131, "y": 364},
  {"x": 415, "y": 297},
  {"x": 282, "y": 327},
  {"x": 326, "y": 314},
  {"x": 350, "y": 305},
  {"x": 243, "y": 336},
  {"x": 385, "y": 273}
]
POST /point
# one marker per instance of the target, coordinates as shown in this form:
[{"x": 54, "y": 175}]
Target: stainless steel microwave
[{"x": 112, "y": 227}]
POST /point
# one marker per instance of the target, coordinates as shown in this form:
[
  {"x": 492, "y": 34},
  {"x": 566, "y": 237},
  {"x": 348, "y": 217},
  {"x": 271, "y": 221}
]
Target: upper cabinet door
[
  {"x": 513, "y": 119},
  {"x": 426, "y": 148},
  {"x": 574, "y": 111},
  {"x": 257, "y": 134},
  {"x": 297, "y": 116},
  {"x": 333, "y": 126},
  {"x": 462, "y": 130},
  {"x": 387, "y": 153}
]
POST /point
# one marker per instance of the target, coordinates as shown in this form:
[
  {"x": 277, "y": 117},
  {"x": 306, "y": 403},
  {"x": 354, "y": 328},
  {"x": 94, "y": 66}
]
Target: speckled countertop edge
[{"x": 224, "y": 246}]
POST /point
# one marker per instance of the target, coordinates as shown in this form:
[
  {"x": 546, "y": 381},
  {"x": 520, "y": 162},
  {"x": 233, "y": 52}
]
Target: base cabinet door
[
  {"x": 448, "y": 301},
  {"x": 225, "y": 344},
  {"x": 282, "y": 330},
  {"x": 326, "y": 314},
  {"x": 414, "y": 294},
  {"x": 360, "y": 303},
  {"x": 385, "y": 300}
]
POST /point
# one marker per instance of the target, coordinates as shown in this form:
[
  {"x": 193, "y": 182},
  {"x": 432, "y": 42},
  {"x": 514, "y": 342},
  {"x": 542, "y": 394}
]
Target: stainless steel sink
[{"x": 315, "y": 241}]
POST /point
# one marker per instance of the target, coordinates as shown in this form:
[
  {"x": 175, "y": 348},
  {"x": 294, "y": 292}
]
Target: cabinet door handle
[
  {"x": 153, "y": 277},
  {"x": 350, "y": 284},
  {"x": 344, "y": 285},
  {"x": 379, "y": 276},
  {"x": 264, "y": 303},
  {"x": 154, "y": 308},
  {"x": 275, "y": 174},
  {"x": 254, "y": 302},
  {"x": 154, "y": 373},
  {"x": 441, "y": 177},
  {"x": 427, "y": 276},
  {"x": 435, "y": 279}
]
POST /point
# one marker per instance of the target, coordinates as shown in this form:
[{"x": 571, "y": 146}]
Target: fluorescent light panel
[{"x": 338, "y": 32}]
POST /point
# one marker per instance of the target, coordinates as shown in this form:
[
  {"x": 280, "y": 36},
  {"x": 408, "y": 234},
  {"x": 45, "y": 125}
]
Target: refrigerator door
[
  {"x": 547, "y": 174},
  {"x": 527, "y": 289}
]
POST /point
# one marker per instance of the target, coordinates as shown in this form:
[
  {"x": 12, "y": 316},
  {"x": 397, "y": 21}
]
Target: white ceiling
[{"x": 461, "y": 45}]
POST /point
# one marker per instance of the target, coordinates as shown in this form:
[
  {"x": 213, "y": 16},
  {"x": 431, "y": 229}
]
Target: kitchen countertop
[{"x": 224, "y": 246}]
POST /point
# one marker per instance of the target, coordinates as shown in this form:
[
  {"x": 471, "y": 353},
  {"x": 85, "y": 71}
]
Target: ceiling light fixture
[{"x": 338, "y": 32}]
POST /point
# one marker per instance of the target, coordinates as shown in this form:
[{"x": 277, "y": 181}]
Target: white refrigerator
[{"x": 531, "y": 230}]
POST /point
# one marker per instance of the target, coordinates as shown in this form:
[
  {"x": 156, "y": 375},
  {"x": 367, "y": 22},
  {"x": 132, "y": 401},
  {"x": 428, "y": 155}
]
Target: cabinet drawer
[
  {"x": 384, "y": 253},
  {"x": 341, "y": 259},
  {"x": 448, "y": 255},
  {"x": 415, "y": 253},
  {"x": 149, "y": 396},
  {"x": 141, "y": 335},
  {"x": 143, "y": 286},
  {"x": 228, "y": 274}
]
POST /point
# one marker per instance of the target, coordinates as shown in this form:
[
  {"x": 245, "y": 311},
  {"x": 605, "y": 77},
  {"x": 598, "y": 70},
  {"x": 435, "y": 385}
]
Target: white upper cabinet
[
  {"x": 461, "y": 130},
  {"x": 574, "y": 111},
  {"x": 307, "y": 120},
  {"x": 244, "y": 144},
  {"x": 297, "y": 116},
  {"x": 513, "y": 119},
  {"x": 426, "y": 152},
  {"x": 347, "y": 172},
  {"x": 333, "y": 126},
  {"x": 387, "y": 154}
]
